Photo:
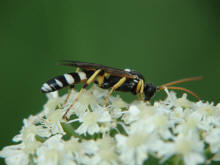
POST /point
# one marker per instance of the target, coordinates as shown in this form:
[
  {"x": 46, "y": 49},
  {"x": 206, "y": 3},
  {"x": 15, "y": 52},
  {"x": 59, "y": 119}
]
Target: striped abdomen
[{"x": 62, "y": 81}]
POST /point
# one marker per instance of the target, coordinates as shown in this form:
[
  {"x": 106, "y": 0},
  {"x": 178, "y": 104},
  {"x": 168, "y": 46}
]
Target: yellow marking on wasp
[
  {"x": 117, "y": 85},
  {"x": 106, "y": 75},
  {"x": 77, "y": 69},
  {"x": 90, "y": 80},
  {"x": 100, "y": 80},
  {"x": 142, "y": 89},
  {"x": 138, "y": 86}
]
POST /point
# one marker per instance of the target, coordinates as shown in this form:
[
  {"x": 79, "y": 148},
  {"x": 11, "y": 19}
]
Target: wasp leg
[
  {"x": 139, "y": 96},
  {"x": 90, "y": 80},
  {"x": 117, "y": 85},
  {"x": 68, "y": 94},
  {"x": 100, "y": 80},
  {"x": 140, "y": 89},
  {"x": 70, "y": 89}
]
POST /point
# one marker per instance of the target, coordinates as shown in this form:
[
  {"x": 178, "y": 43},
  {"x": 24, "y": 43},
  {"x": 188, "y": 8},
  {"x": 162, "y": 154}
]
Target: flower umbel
[{"x": 173, "y": 131}]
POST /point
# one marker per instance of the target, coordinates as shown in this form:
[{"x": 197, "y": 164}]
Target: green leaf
[
  {"x": 69, "y": 129},
  {"x": 40, "y": 138},
  {"x": 151, "y": 161},
  {"x": 31, "y": 159},
  {"x": 121, "y": 130},
  {"x": 113, "y": 132},
  {"x": 90, "y": 108},
  {"x": 174, "y": 160}
]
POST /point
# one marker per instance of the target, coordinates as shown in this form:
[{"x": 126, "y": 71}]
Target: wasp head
[{"x": 149, "y": 91}]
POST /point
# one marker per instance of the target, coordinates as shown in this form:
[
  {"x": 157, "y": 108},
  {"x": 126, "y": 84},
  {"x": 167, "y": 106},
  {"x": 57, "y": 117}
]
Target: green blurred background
[{"x": 164, "y": 40}]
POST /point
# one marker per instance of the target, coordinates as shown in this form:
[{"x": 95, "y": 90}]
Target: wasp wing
[{"x": 93, "y": 67}]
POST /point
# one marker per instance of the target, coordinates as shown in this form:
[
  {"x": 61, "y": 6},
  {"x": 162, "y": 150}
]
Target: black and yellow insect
[{"x": 126, "y": 80}]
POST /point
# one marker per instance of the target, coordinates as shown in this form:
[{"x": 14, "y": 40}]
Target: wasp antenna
[
  {"x": 182, "y": 80},
  {"x": 67, "y": 62},
  {"x": 182, "y": 89}
]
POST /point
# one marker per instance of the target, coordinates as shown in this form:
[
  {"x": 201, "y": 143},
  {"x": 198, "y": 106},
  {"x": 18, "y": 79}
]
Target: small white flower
[
  {"x": 138, "y": 111},
  {"x": 107, "y": 150},
  {"x": 207, "y": 110},
  {"x": 91, "y": 120},
  {"x": 190, "y": 147},
  {"x": 53, "y": 152},
  {"x": 213, "y": 139},
  {"x": 170, "y": 101},
  {"x": 178, "y": 115},
  {"x": 116, "y": 107},
  {"x": 163, "y": 150},
  {"x": 87, "y": 98},
  {"x": 189, "y": 125},
  {"x": 53, "y": 121},
  {"x": 183, "y": 102},
  {"x": 132, "y": 114},
  {"x": 53, "y": 101},
  {"x": 19, "y": 154},
  {"x": 14, "y": 155},
  {"x": 134, "y": 148},
  {"x": 28, "y": 131},
  {"x": 153, "y": 118},
  {"x": 104, "y": 152},
  {"x": 160, "y": 123},
  {"x": 99, "y": 93}
]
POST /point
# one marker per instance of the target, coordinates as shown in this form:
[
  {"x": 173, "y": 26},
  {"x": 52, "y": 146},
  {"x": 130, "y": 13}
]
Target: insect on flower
[{"x": 126, "y": 80}]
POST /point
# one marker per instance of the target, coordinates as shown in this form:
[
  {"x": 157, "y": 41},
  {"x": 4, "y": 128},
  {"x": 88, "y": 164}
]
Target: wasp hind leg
[
  {"x": 90, "y": 80},
  {"x": 68, "y": 94},
  {"x": 117, "y": 85},
  {"x": 71, "y": 87}
]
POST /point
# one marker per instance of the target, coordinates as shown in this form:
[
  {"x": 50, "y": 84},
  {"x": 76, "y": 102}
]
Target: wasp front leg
[
  {"x": 140, "y": 89},
  {"x": 117, "y": 85}
]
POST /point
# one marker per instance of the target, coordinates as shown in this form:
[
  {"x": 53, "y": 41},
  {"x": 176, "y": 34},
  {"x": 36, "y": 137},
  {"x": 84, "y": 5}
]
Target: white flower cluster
[{"x": 173, "y": 131}]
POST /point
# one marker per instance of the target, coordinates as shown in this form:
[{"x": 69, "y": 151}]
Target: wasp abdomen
[{"x": 62, "y": 81}]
